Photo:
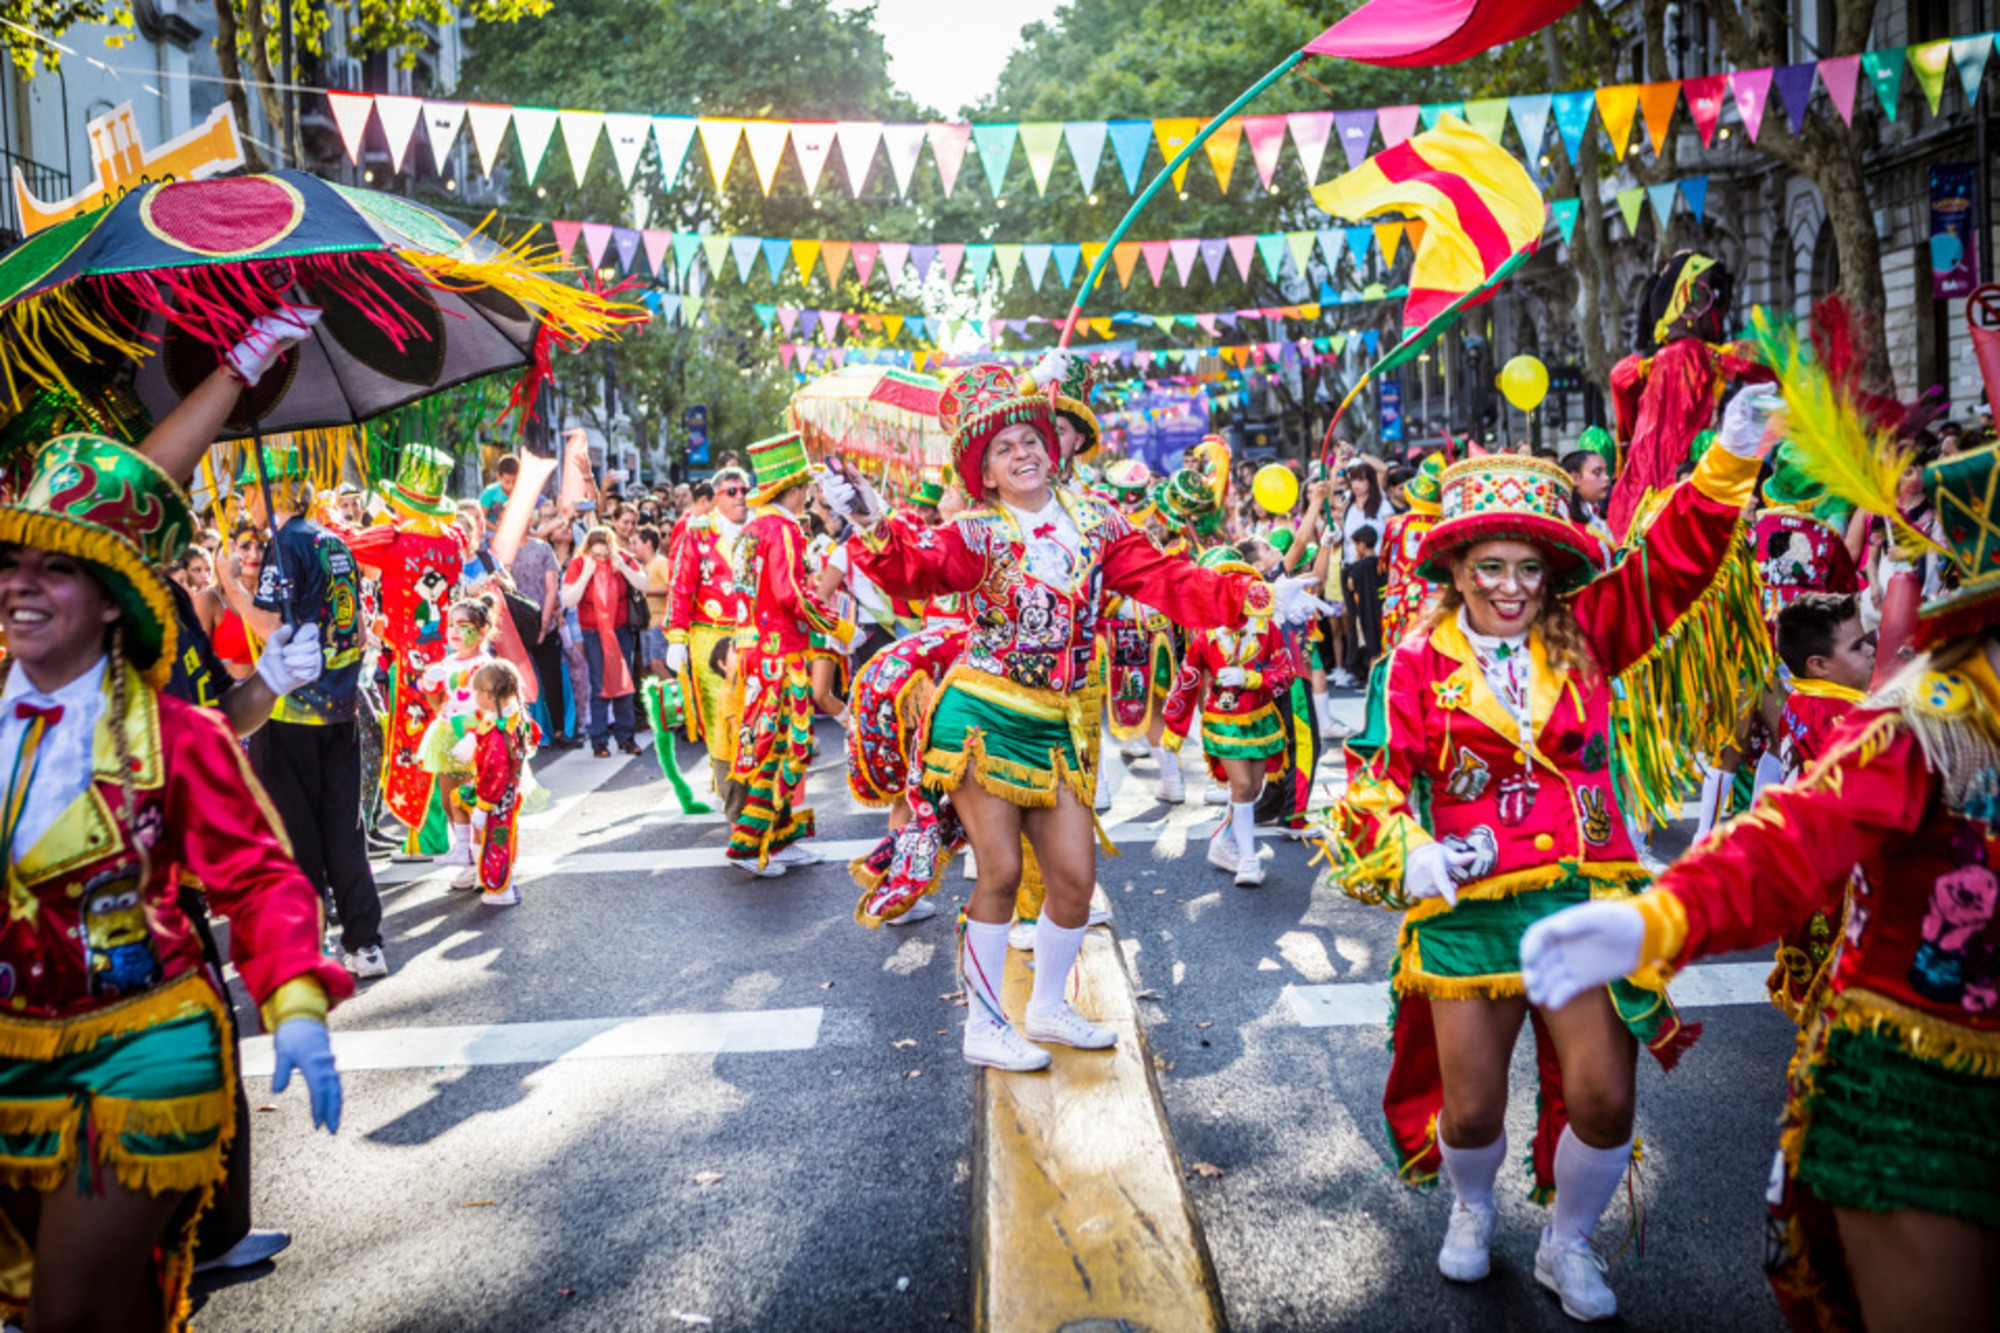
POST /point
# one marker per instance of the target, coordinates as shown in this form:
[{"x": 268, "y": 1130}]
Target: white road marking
[
  {"x": 553, "y": 1043},
  {"x": 1366, "y": 1003}
]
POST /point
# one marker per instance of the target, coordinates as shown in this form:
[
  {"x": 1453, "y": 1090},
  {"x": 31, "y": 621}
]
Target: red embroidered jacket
[
  {"x": 782, "y": 612},
  {"x": 1267, "y": 671},
  {"x": 497, "y": 757},
  {"x": 702, "y": 589},
  {"x": 1813, "y": 712},
  {"x": 83, "y": 932},
  {"x": 1031, "y": 630},
  {"x": 1527, "y": 801}
]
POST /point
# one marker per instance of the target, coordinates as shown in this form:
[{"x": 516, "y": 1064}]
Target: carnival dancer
[
  {"x": 469, "y": 629},
  {"x": 705, "y": 607},
  {"x": 415, "y": 557},
  {"x": 774, "y": 746},
  {"x": 1003, "y": 752},
  {"x": 116, "y": 1063},
  {"x": 1499, "y": 704},
  {"x": 1886, "y": 1201},
  {"x": 502, "y": 738},
  {"x": 1231, "y": 676},
  {"x": 1140, "y": 654}
]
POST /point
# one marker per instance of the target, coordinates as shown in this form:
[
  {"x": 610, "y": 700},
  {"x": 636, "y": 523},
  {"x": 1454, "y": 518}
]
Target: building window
[{"x": 1930, "y": 20}]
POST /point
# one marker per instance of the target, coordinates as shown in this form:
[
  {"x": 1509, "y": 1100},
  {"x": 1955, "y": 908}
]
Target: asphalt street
[{"x": 661, "y": 1094}]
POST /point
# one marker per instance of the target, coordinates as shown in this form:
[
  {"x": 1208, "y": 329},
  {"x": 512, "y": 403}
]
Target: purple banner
[{"x": 1954, "y": 231}]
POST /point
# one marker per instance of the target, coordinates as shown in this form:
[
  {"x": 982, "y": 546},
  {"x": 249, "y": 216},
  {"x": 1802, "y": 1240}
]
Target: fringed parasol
[{"x": 881, "y": 419}]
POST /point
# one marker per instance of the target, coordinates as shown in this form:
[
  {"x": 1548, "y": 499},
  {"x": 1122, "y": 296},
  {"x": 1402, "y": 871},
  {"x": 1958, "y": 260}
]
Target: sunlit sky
[{"x": 948, "y": 54}]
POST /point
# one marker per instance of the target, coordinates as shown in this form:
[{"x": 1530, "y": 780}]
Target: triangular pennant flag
[
  {"x": 776, "y": 251},
  {"x": 1243, "y": 249},
  {"x": 1301, "y": 244},
  {"x": 442, "y": 122},
  {"x": 894, "y": 254},
  {"x": 1397, "y": 123},
  {"x": 891, "y": 326},
  {"x": 399, "y": 117},
  {"x": 1704, "y": 97},
  {"x": 1267, "y": 140},
  {"x": 1885, "y": 72},
  {"x": 834, "y": 253},
  {"x": 1656, "y": 105},
  {"x": 857, "y": 140},
  {"x": 1360, "y": 241},
  {"x": 950, "y": 256},
  {"x": 1795, "y": 85},
  {"x": 1929, "y": 61},
  {"x": 1357, "y": 134},
  {"x": 948, "y": 143},
  {"x": 533, "y": 129},
  {"x": 905, "y": 144},
  {"x": 1036, "y": 257},
  {"x": 1662, "y": 198},
  {"x": 1752, "y": 88},
  {"x": 1125, "y": 258},
  {"x": 1629, "y": 203},
  {"x": 1572, "y": 113},
  {"x": 1086, "y": 149},
  {"x": 686, "y": 246},
  {"x": 1040, "y": 140},
  {"x": 718, "y": 140},
  {"x": 1207, "y": 323},
  {"x": 978, "y": 258},
  {"x": 744, "y": 250},
  {"x": 626, "y": 241},
  {"x": 596, "y": 239},
  {"x": 766, "y": 139},
  {"x": 1531, "y": 122},
  {"x": 1213, "y": 250},
  {"x": 1841, "y": 75},
  {"x": 1174, "y": 134},
  {"x": 489, "y": 132},
  {"x": 1128, "y": 144},
  {"x": 628, "y": 135},
  {"x": 1271, "y": 249},
  {"x": 864, "y": 260},
  {"x": 580, "y": 130},
  {"x": 1488, "y": 115},
  {"x": 1970, "y": 54},
  {"x": 921, "y": 259},
  {"x": 715, "y": 249},
  {"x": 765, "y": 314},
  {"x": 1008, "y": 259},
  {"x": 657, "y": 243},
  {"x": 1332, "y": 240},
  {"x": 691, "y": 307},
  {"x": 995, "y": 142},
  {"x": 671, "y": 135},
  {"x": 350, "y": 117},
  {"x": 1068, "y": 255},
  {"x": 565, "y": 234},
  {"x": 1164, "y": 323},
  {"x": 812, "y": 140},
  {"x": 1155, "y": 253},
  {"x": 1694, "y": 189},
  {"x": 785, "y": 351},
  {"x": 1564, "y": 212},
  {"x": 1389, "y": 235},
  {"x": 670, "y": 308},
  {"x": 1186, "y": 250},
  {"x": 808, "y": 323},
  {"x": 1433, "y": 112},
  {"x": 1222, "y": 147},
  {"x": 1616, "y": 106}
]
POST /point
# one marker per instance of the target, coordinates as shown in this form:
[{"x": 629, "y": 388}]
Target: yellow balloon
[
  {"x": 1276, "y": 488},
  {"x": 1525, "y": 381}
]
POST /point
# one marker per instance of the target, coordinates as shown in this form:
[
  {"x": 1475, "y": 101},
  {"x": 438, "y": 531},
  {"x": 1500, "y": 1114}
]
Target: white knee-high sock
[
  {"x": 1243, "y": 826},
  {"x": 1714, "y": 791},
  {"x": 983, "y": 966},
  {"x": 1055, "y": 953},
  {"x": 1165, "y": 758},
  {"x": 1586, "y": 1178},
  {"x": 461, "y": 835},
  {"x": 1473, "y": 1171}
]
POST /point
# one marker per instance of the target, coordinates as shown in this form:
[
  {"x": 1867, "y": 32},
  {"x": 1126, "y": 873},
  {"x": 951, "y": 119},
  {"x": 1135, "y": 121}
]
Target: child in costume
[
  {"x": 117, "y": 1066},
  {"x": 502, "y": 738},
  {"x": 1235, "y": 674},
  {"x": 469, "y": 630},
  {"x": 1490, "y": 804}
]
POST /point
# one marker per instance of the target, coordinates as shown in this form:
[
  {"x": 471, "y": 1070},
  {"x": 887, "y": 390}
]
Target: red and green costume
[{"x": 498, "y": 757}]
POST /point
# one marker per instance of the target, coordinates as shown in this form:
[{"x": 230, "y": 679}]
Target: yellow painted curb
[{"x": 1080, "y": 1211}]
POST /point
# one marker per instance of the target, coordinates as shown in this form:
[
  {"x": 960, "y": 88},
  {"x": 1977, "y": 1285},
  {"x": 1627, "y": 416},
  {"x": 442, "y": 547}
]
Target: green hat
[
  {"x": 1224, "y": 560},
  {"x": 929, "y": 491},
  {"x": 98, "y": 502},
  {"x": 422, "y": 473},
  {"x": 781, "y": 463},
  {"x": 281, "y": 461},
  {"x": 1189, "y": 497},
  {"x": 1281, "y": 540},
  {"x": 1597, "y": 440},
  {"x": 1425, "y": 490},
  {"x": 1129, "y": 480}
]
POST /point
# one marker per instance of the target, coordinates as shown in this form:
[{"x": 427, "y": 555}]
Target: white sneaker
[
  {"x": 923, "y": 909},
  {"x": 771, "y": 871},
  {"x": 1343, "y": 678},
  {"x": 459, "y": 855},
  {"x": 999, "y": 1047},
  {"x": 507, "y": 897},
  {"x": 797, "y": 854},
  {"x": 1021, "y": 935},
  {"x": 1066, "y": 1027},
  {"x": 1573, "y": 1271},
  {"x": 1099, "y": 916},
  {"x": 1102, "y": 799},
  {"x": 1222, "y": 850},
  {"x": 467, "y": 878},
  {"x": 1136, "y": 748},
  {"x": 1249, "y": 872},
  {"x": 1468, "y": 1244},
  {"x": 256, "y": 1247},
  {"x": 367, "y": 963},
  {"x": 1172, "y": 789}
]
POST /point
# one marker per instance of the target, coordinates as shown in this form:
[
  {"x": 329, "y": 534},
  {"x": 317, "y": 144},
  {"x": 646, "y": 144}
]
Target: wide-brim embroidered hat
[
  {"x": 978, "y": 403},
  {"x": 104, "y": 505},
  {"x": 1506, "y": 497},
  {"x": 1128, "y": 479},
  {"x": 781, "y": 462},
  {"x": 1225, "y": 560},
  {"x": 929, "y": 491},
  {"x": 1962, "y": 490},
  {"x": 422, "y": 473}
]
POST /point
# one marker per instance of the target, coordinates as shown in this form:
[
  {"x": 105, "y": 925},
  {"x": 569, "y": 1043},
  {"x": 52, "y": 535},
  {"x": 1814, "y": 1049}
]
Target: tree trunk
[
  {"x": 260, "y": 67},
  {"x": 232, "y": 74}
]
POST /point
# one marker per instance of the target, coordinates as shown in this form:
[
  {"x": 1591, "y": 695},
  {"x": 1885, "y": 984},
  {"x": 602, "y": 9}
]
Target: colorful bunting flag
[
  {"x": 1531, "y": 122},
  {"x": 628, "y": 136},
  {"x": 1564, "y": 212},
  {"x": 995, "y": 143},
  {"x": 1128, "y": 144},
  {"x": 904, "y": 143},
  {"x": 1041, "y": 140},
  {"x": 766, "y": 140},
  {"x": 1067, "y": 257},
  {"x": 442, "y": 121},
  {"x": 1222, "y": 147},
  {"x": 1488, "y": 115},
  {"x": 350, "y": 117},
  {"x": 1795, "y": 85},
  {"x": 1969, "y": 54},
  {"x": 834, "y": 254},
  {"x": 579, "y": 131},
  {"x": 398, "y": 117},
  {"x": 1661, "y": 197},
  {"x": 1357, "y": 133},
  {"x": 1928, "y": 62},
  {"x": 1704, "y": 99},
  {"x": 671, "y": 135},
  {"x": 718, "y": 141},
  {"x": 1841, "y": 75},
  {"x": 1694, "y": 190},
  {"x": 857, "y": 140},
  {"x": 948, "y": 143},
  {"x": 1397, "y": 123},
  {"x": 1174, "y": 135},
  {"x": 1572, "y": 113},
  {"x": 1086, "y": 149},
  {"x": 1656, "y": 105},
  {"x": 1752, "y": 89},
  {"x": 1267, "y": 139},
  {"x": 1885, "y": 72},
  {"x": 1629, "y": 203},
  {"x": 1616, "y": 106}
]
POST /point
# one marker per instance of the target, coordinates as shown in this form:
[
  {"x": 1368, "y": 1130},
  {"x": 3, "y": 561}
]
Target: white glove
[
  {"x": 1296, "y": 602},
  {"x": 267, "y": 340},
  {"x": 463, "y": 751},
  {"x": 1580, "y": 948},
  {"x": 847, "y": 493},
  {"x": 1230, "y": 677},
  {"x": 677, "y": 658},
  {"x": 291, "y": 658},
  {"x": 1745, "y": 421},
  {"x": 479, "y": 821},
  {"x": 1427, "y": 873},
  {"x": 1053, "y": 368}
]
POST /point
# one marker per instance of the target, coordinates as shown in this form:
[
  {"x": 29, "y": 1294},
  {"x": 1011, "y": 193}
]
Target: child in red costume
[{"x": 503, "y": 738}]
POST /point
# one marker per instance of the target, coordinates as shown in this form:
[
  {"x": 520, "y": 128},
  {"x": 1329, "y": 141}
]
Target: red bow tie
[
  {"x": 1046, "y": 530},
  {"x": 50, "y": 715}
]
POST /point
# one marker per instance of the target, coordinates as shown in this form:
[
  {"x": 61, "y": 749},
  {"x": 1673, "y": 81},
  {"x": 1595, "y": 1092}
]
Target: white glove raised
[
  {"x": 1296, "y": 602},
  {"x": 267, "y": 340},
  {"x": 677, "y": 658},
  {"x": 1230, "y": 677},
  {"x": 1745, "y": 423},
  {"x": 1053, "y": 368},
  {"x": 1580, "y": 948},
  {"x": 847, "y": 492},
  {"x": 291, "y": 658}
]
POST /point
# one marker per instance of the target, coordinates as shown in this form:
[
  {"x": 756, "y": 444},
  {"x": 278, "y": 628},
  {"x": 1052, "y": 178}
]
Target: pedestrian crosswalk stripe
[
  {"x": 731, "y": 1033},
  {"x": 1366, "y": 1003}
]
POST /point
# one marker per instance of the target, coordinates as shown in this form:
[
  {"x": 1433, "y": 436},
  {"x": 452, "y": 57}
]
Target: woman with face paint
[
  {"x": 1007, "y": 741},
  {"x": 1498, "y": 711}
]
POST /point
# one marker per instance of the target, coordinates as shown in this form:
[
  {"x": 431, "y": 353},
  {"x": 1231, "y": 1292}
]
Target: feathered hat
[{"x": 978, "y": 403}]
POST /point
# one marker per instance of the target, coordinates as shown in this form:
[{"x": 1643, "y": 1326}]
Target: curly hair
[{"x": 1562, "y": 635}]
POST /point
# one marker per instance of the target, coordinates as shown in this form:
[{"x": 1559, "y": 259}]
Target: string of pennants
[
  {"x": 825, "y": 326},
  {"x": 812, "y": 144},
  {"x": 803, "y": 359}
]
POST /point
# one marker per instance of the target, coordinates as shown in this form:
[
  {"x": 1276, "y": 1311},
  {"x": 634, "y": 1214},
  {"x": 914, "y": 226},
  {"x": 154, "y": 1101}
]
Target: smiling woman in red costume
[{"x": 1491, "y": 804}]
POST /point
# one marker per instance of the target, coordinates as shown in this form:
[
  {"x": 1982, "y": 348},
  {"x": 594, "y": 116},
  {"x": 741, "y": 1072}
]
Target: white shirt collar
[
  {"x": 72, "y": 697},
  {"x": 1489, "y": 644}
]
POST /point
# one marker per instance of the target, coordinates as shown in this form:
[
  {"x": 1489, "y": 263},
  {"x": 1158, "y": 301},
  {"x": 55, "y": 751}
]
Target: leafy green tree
[{"x": 28, "y": 22}]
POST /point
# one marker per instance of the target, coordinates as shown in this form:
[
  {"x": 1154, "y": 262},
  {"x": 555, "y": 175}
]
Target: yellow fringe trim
[
  {"x": 1015, "y": 783},
  {"x": 1922, "y": 1036},
  {"x": 52, "y": 1038},
  {"x": 1610, "y": 880},
  {"x": 1498, "y": 986},
  {"x": 529, "y": 277},
  {"x": 55, "y": 330}
]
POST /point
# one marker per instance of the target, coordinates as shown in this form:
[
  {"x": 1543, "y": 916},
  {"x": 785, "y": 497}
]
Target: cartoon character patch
[
  {"x": 1962, "y": 904},
  {"x": 1516, "y": 799},
  {"x": 1482, "y": 846},
  {"x": 1596, "y": 819},
  {"x": 119, "y": 955}
]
